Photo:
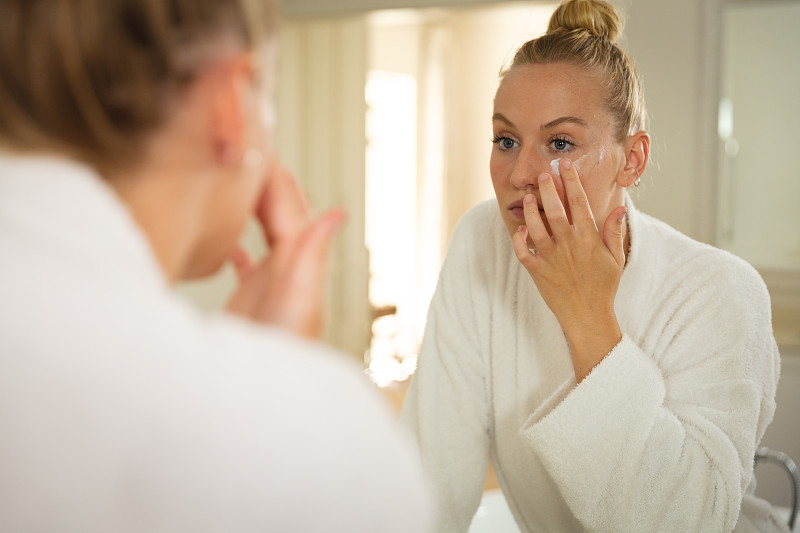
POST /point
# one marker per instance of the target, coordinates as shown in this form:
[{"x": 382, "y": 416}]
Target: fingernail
[
  {"x": 622, "y": 215},
  {"x": 544, "y": 177},
  {"x": 529, "y": 199},
  {"x": 567, "y": 163}
]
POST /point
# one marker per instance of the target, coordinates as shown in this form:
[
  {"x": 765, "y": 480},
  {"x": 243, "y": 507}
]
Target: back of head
[
  {"x": 91, "y": 78},
  {"x": 584, "y": 33}
]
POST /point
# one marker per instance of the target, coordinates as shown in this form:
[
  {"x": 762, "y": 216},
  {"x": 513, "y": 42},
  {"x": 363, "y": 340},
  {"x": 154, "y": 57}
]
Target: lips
[{"x": 518, "y": 211}]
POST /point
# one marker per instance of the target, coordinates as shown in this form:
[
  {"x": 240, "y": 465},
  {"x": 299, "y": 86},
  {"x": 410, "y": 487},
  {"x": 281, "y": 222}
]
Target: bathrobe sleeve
[
  {"x": 447, "y": 407},
  {"x": 661, "y": 435}
]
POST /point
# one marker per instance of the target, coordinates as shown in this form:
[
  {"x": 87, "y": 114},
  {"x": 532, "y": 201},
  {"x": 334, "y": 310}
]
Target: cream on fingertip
[{"x": 554, "y": 167}]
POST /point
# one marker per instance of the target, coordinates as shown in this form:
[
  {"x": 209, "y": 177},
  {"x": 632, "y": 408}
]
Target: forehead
[{"x": 547, "y": 91}]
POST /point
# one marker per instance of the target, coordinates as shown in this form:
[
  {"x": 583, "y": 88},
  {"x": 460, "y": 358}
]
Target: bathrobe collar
[{"x": 78, "y": 214}]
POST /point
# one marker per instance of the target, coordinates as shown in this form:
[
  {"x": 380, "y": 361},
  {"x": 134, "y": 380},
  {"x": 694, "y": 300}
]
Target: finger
[
  {"x": 577, "y": 203},
  {"x": 553, "y": 208},
  {"x": 613, "y": 236},
  {"x": 295, "y": 194},
  {"x": 315, "y": 244},
  {"x": 304, "y": 313},
  {"x": 242, "y": 263},
  {"x": 521, "y": 248},
  {"x": 285, "y": 212},
  {"x": 302, "y": 206},
  {"x": 533, "y": 220}
]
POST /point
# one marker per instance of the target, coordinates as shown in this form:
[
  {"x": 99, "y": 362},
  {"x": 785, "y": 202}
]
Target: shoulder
[
  {"x": 700, "y": 257},
  {"x": 276, "y": 364},
  {"x": 697, "y": 271},
  {"x": 278, "y": 392},
  {"x": 307, "y": 389}
]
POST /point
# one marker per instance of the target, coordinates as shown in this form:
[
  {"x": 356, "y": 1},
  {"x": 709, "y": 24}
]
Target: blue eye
[
  {"x": 505, "y": 143},
  {"x": 561, "y": 145}
]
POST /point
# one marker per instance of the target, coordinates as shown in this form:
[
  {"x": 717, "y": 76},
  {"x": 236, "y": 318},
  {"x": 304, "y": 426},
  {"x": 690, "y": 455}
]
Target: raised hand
[
  {"x": 575, "y": 267},
  {"x": 287, "y": 287}
]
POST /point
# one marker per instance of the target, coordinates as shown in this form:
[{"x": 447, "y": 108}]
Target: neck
[{"x": 165, "y": 209}]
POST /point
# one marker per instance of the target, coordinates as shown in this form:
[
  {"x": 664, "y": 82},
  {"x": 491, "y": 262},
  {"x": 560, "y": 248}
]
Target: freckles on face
[{"x": 544, "y": 113}]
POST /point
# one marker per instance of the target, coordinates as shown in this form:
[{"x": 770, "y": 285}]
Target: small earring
[{"x": 637, "y": 182}]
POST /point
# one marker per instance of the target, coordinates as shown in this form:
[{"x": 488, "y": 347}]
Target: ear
[
  {"x": 637, "y": 154},
  {"x": 228, "y": 82}
]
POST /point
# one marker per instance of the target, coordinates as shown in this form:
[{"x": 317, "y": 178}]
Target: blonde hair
[
  {"x": 91, "y": 78},
  {"x": 584, "y": 33}
]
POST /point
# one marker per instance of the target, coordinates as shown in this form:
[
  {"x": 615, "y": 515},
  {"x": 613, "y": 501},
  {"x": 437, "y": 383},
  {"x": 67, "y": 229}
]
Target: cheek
[
  {"x": 600, "y": 190},
  {"x": 498, "y": 171}
]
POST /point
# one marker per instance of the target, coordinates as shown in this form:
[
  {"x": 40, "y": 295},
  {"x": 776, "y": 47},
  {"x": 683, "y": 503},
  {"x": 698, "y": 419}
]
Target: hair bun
[{"x": 598, "y": 17}]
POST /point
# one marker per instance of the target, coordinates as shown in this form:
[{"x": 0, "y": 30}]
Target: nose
[{"x": 527, "y": 167}]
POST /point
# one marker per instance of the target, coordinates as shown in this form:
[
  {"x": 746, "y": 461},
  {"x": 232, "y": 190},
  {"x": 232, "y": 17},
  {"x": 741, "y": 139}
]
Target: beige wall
[
  {"x": 762, "y": 189},
  {"x": 664, "y": 40}
]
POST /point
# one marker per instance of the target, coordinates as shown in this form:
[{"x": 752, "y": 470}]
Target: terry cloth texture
[{"x": 660, "y": 436}]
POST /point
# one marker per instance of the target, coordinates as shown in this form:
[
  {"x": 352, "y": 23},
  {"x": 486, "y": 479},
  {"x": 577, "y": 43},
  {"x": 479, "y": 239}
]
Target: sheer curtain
[{"x": 320, "y": 136}]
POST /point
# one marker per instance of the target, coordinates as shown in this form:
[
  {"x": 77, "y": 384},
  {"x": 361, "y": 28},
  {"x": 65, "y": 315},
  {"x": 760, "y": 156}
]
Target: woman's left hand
[{"x": 577, "y": 270}]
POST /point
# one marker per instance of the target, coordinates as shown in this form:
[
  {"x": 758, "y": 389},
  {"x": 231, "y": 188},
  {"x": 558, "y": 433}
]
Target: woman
[
  {"x": 132, "y": 151},
  {"x": 618, "y": 374}
]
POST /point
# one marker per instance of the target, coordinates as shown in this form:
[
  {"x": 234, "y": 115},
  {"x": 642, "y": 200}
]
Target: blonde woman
[
  {"x": 618, "y": 374},
  {"x": 133, "y": 147}
]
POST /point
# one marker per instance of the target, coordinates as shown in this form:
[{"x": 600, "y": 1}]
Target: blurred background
[{"x": 384, "y": 108}]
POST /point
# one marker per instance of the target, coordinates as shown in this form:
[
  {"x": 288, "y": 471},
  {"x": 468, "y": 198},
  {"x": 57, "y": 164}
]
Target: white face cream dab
[{"x": 579, "y": 163}]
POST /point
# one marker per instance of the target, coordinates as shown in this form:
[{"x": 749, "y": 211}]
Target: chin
[{"x": 203, "y": 269}]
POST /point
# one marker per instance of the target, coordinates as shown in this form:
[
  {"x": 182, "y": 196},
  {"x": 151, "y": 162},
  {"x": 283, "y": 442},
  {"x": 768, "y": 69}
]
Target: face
[
  {"x": 543, "y": 113},
  {"x": 239, "y": 180}
]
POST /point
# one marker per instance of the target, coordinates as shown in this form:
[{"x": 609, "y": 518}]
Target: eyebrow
[
  {"x": 502, "y": 118},
  {"x": 551, "y": 124},
  {"x": 562, "y": 120}
]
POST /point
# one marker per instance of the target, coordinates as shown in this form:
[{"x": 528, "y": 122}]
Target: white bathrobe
[
  {"x": 659, "y": 437},
  {"x": 122, "y": 409}
]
